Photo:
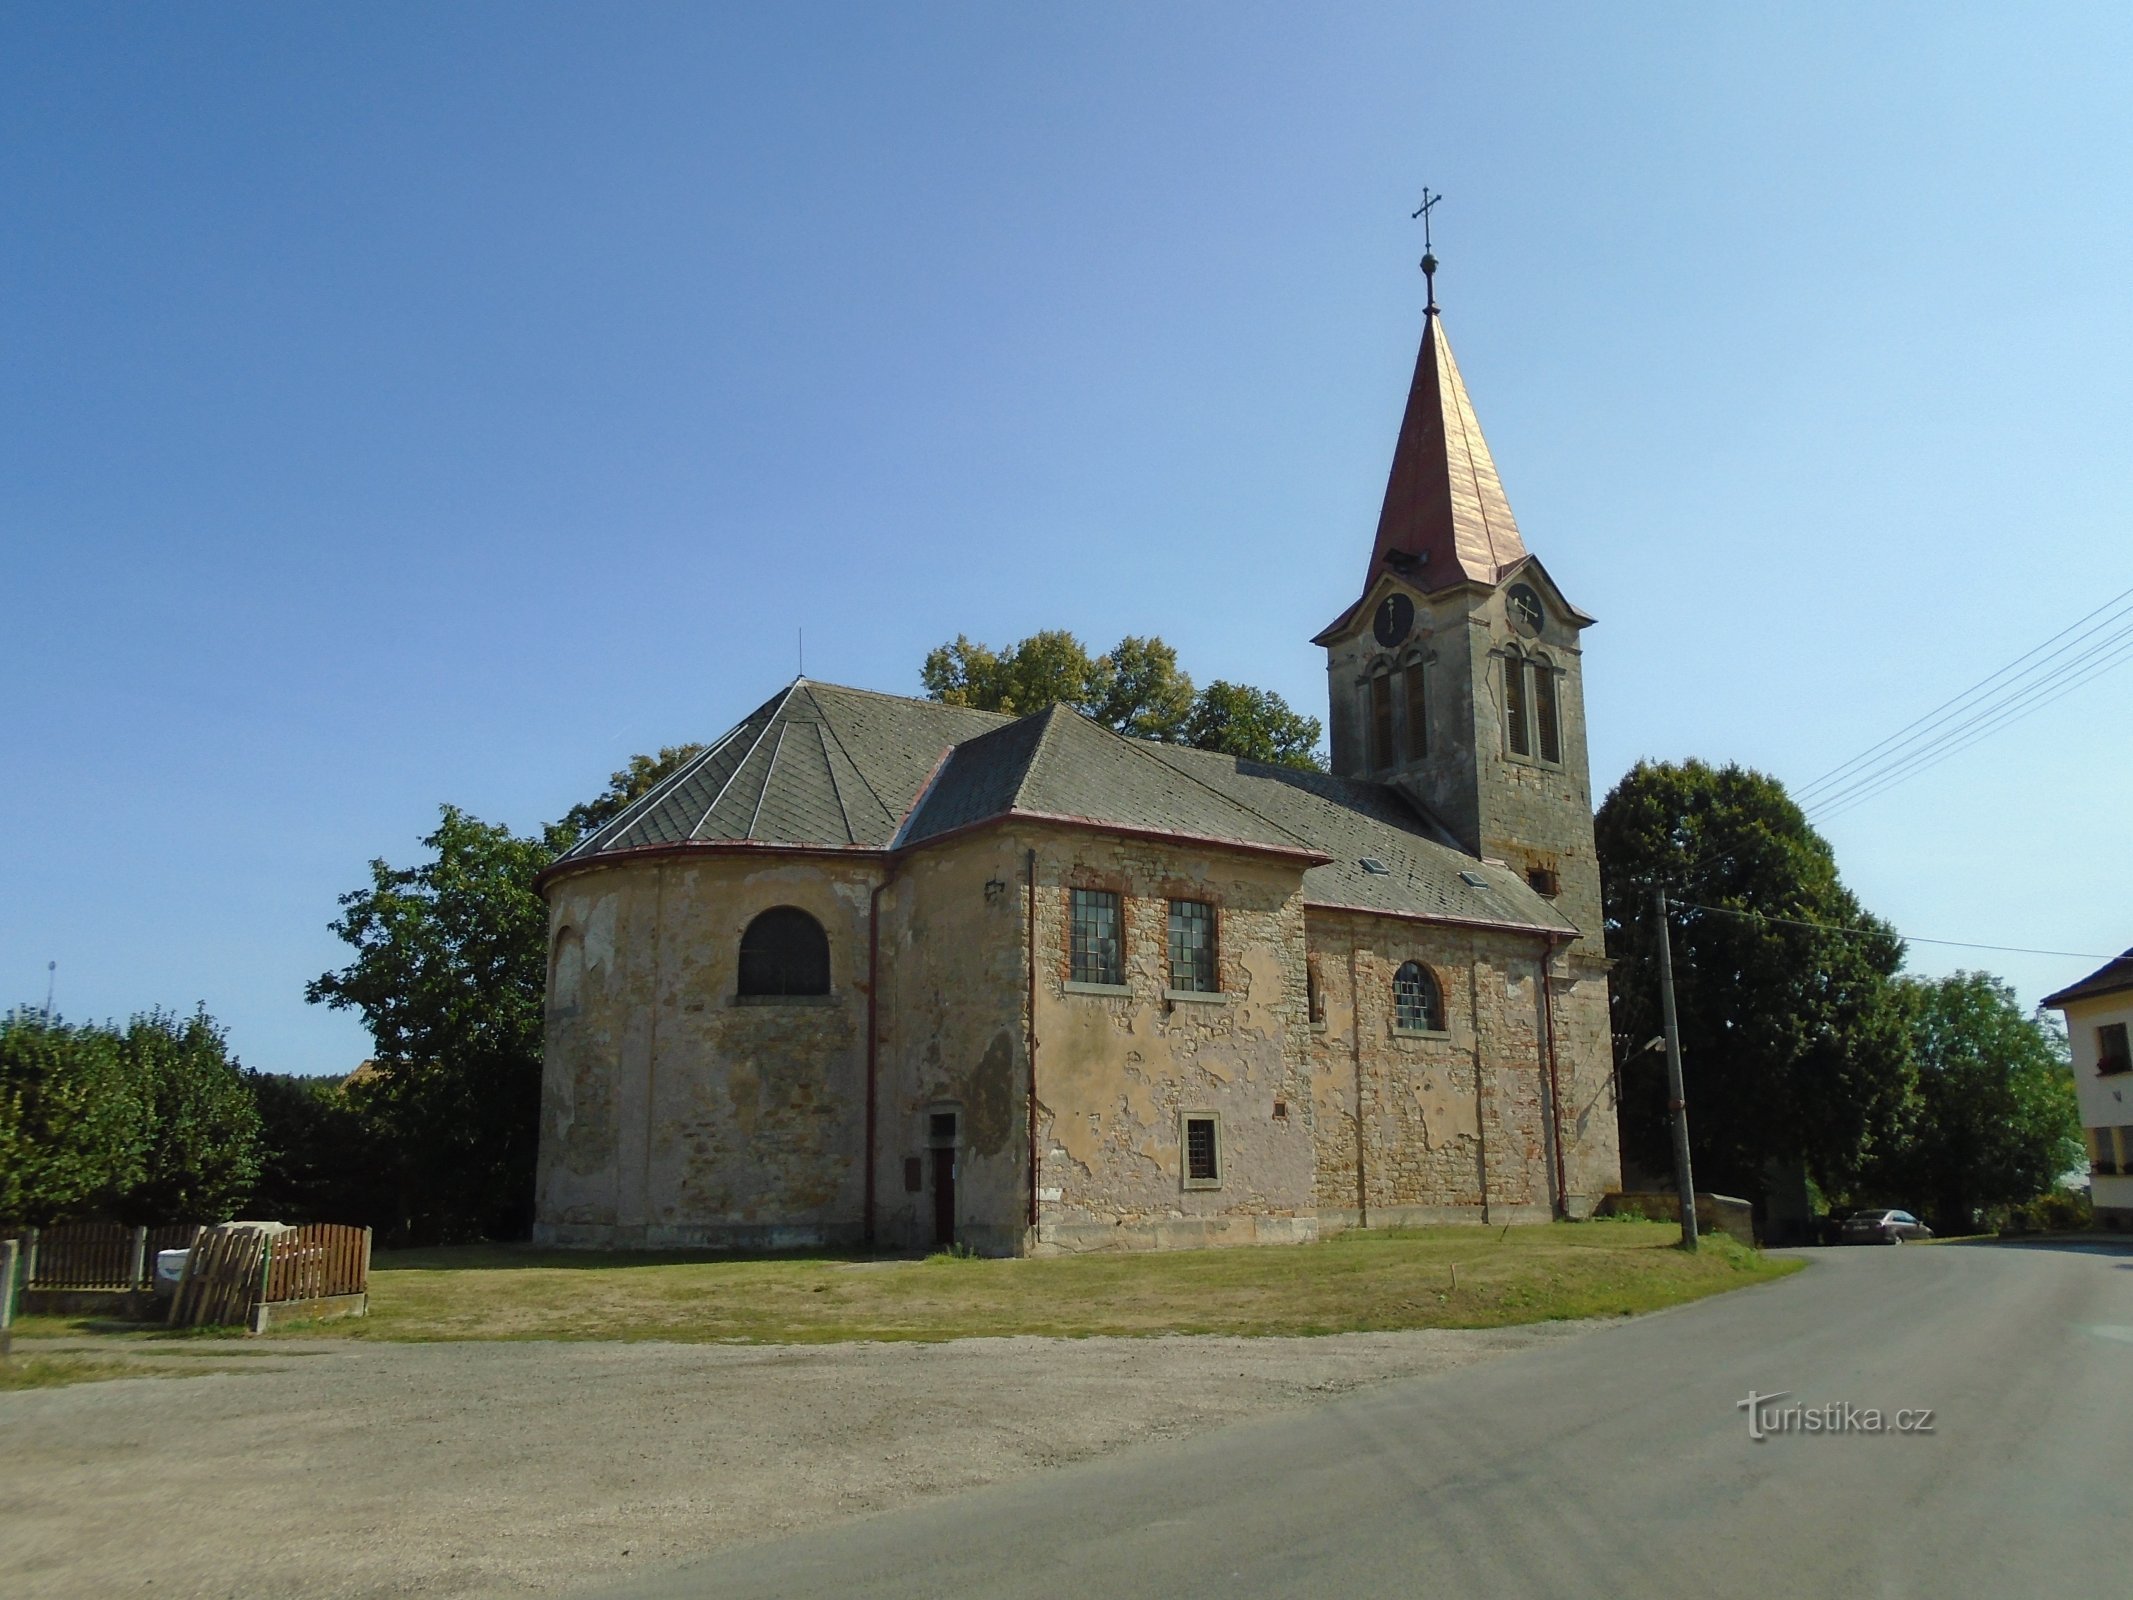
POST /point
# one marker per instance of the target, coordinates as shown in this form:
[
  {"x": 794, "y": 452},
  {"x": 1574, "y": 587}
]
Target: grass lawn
[{"x": 1458, "y": 1277}]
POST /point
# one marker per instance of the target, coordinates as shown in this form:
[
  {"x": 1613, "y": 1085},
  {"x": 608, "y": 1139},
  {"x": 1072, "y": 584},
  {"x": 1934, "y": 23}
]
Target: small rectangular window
[
  {"x": 1203, "y": 1153},
  {"x": 1543, "y": 881},
  {"x": 2104, "y": 1158},
  {"x": 1514, "y": 705},
  {"x": 940, "y": 1128},
  {"x": 1097, "y": 952},
  {"x": 1192, "y": 947},
  {"x": 1380, "y": 721},
  {"x": 2112, "y": 1053},
  {"x": 1544, "y": 713},
  {"x": 1417, "y": 712}
]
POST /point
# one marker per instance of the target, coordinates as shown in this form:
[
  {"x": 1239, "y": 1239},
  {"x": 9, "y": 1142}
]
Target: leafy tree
[
  {"x": 1993, "y": 1121},
  {"x": 1135, "y": 689},
  {"x": 321, "y": 1161},
  {"x": 1794, "y": 1041},
  {"x": 74, "y": 1122},
  {"x": 202, "y": 1154},
  {"x": 1146, "y": 696},
  {"x": 448, "y": 974},
  {"x": 1256, "y": 724},
  {"x": 631, "y": 783}
]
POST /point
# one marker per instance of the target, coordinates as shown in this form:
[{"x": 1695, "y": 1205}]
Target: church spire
[{"x": 1446, "y": 519}]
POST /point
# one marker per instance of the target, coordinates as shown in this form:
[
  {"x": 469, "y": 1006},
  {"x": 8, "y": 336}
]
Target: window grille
[
  {"x": 1192, "y": 947},
  {"x": 1203, "y": 1152},
  {"x": 785, "y": 952},
  {"x": 1096, "y": 954},
  {"x": 1418, "y": 1004}
]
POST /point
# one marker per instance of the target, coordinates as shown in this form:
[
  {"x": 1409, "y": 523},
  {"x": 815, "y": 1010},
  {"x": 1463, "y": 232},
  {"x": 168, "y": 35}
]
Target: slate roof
[
  {"x": 833, "y": 768},
  {"x": 2110, "y": 978}
]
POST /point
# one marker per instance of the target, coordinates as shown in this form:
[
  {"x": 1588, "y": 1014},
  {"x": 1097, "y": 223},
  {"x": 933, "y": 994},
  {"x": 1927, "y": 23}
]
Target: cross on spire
[{"x": 1429, "y": 256}]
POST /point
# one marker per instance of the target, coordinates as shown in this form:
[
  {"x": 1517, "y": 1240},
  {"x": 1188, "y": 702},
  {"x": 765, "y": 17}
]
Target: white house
[{"x": 2099, "y": 1020}]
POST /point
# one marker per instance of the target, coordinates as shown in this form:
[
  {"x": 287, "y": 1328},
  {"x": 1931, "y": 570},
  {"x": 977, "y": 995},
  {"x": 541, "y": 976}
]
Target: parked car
[{"x": 1880, "y": 1226}]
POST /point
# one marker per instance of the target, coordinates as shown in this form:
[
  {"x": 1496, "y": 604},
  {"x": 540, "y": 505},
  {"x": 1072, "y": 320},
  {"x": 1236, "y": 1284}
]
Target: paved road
[{"x": 1616, "y": 1464}]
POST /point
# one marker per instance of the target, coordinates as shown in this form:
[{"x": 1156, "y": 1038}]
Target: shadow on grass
[{"x": 522, "y": 1257}]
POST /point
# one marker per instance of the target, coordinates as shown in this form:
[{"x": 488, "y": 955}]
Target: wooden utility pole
[
  {"x": 1677, "y": 1104},
  {"x": 10, "y": 1255}
]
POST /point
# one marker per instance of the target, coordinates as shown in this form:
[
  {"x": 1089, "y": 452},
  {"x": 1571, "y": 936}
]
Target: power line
[
  {"x": 1837, "y": 805},
  {"x": 1934, "y": 716},
  {"x": 1884, "y": 933}
]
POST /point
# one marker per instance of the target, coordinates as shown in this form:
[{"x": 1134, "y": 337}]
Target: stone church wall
[
  {"x": 674, "y": 1114},
  {"x": 1118, "y": 1070},
  {"x": 1437, "y": 1111}
]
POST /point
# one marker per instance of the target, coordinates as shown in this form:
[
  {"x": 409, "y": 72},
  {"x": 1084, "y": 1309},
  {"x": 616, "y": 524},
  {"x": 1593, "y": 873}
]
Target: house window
[
  {"x": 1417, "y": 1002},
  {"x": 1097, "y": 954},
  {"x": 1514, "y": 705},
  {"x": 1546, "y": 723},
  {"x": 2105, "y": 1153},
  {"x": 1544, "y": 881},
  {"x": 1203, "y": 1151},
  {"x": 1417, "y": 712},
  {"x": 1380, "y": 721},
  {"x": 1192, "y": 947},
  {"x": 2112, "y": 1054},
  {"x": 785, "y": 952}
]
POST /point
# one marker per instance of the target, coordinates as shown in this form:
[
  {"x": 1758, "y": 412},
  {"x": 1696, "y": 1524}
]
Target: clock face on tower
[
  {"x": 1395, "y": 619},
  {"x": 1525, "y": 608}
]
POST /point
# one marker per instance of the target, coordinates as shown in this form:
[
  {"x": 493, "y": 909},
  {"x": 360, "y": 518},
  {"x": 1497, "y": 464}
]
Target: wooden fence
[
  {"x": 238, "y": 1273},
  {"x": 97, "y": 1255}
]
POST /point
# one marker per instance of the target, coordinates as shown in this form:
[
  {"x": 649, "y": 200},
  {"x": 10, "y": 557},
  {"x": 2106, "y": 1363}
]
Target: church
[{"x": 873, "y": 971}]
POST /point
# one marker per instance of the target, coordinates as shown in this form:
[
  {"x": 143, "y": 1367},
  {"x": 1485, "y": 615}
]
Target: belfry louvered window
[
  {"x": 784, "y": 952},
  {"x": 1098, "y": 956}
]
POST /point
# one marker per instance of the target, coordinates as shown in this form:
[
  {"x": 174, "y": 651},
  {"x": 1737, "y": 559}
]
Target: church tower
[{"x": 1456, "y": 676}]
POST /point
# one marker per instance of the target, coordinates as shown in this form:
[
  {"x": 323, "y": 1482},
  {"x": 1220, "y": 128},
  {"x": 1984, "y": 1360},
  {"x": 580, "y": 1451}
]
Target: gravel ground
[{"x": 342, "y": 1469}]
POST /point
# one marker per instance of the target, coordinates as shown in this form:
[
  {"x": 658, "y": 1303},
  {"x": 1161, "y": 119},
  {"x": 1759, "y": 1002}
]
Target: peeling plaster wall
[
  {"x": 952, "y": 1038},
  {"x": 671, "y": 1114},
  {"x": 1435, "y": 1109},
  {"x": 1116, "y": 1071}
]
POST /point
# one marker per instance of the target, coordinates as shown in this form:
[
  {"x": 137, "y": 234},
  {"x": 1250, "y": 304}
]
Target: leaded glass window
[
  {"x": 1192, "y": 947},
  {"x": 1097, "y": 953}
]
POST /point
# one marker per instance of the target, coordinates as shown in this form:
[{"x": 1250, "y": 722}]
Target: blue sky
[{"x": 408, "y": 404}]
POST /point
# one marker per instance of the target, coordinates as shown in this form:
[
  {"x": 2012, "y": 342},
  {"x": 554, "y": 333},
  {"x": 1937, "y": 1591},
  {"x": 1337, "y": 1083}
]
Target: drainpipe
[
  {"x": 873, "y": 1044},
  {"x": 1355, "y": 1041},
  {"x": 1555, "y": 1089},
  {"x": 1030, "y": 1036},
  {"x": 1481, "y": 1099}
]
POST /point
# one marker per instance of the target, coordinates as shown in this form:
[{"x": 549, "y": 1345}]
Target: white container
[{"x": 170, "y": 1267}]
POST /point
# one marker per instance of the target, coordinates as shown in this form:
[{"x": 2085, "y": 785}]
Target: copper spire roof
[{"x": 1446, "y": 519}]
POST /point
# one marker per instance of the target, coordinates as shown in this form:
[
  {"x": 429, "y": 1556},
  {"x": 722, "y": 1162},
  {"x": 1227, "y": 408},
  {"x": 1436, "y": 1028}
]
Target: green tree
[
  {"x": 74, "y": 1122},
  {"x": 1993, "y": 1121},
  {"x": 631, "y": 783},
  {"x": 448, "y": 974},
  {"x": 321, "y": 1160},
  {"x": 1794, "y": 1041},
  {"x": 202, "y": 1153},
  {"x": 1136, "y": 688},
  {"x": 1256, "y": 724}
]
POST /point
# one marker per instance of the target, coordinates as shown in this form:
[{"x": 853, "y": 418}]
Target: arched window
[
  {"x": 566, "y": 971},
  {"x": 1532, "y": 715},
  {"x": 785, "y": 951},
  {"x": 1417, "y": 1002},
  {"x": 1417, "y": 697},
  {"x": 1381, "y": 756}
]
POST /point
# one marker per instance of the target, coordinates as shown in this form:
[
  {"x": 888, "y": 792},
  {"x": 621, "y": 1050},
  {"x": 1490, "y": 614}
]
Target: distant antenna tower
[{"x": 51, "y": 982}]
